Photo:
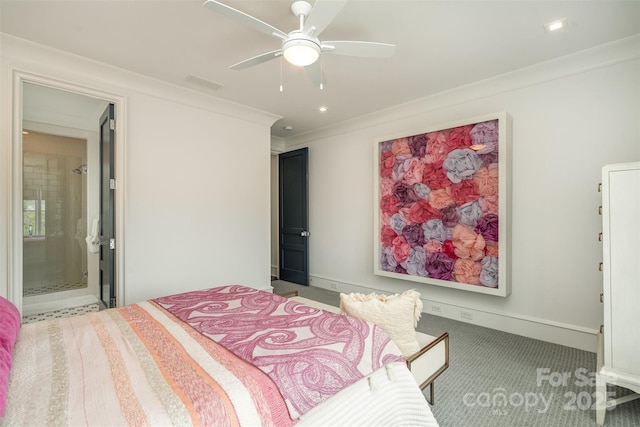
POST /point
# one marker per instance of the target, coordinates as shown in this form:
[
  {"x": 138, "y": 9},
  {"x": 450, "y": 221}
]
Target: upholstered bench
[{"x": 425, "y": 365}]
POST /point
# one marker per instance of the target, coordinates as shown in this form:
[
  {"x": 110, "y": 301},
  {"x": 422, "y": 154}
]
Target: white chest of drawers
[{"x": 619, "y": 341}]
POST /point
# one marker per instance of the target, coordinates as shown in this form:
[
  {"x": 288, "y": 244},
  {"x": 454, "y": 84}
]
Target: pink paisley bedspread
[{"x": 310, "y": 354}]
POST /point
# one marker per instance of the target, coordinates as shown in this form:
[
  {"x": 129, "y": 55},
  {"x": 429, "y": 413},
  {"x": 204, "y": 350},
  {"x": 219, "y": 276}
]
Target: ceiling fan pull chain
[
  {"x": 321, "y": 73},
  {"x": 281, "y": 88}
]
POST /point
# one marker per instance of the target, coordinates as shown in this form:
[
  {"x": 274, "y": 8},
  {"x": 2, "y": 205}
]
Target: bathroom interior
[{"x": 54, "y": 213}]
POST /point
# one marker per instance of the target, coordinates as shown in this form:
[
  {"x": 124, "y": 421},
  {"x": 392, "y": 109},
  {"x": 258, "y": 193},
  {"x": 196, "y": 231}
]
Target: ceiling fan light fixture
[
  {"x": 302, "y": 47},
  {"x": 301, "y": 51}
]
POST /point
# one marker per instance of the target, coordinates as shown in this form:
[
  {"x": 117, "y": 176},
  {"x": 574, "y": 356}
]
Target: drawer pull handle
[
  {"x": 600, "y": 237},
  {"x": 600, "y": 267},
  {"x": 599, "y": 210}
]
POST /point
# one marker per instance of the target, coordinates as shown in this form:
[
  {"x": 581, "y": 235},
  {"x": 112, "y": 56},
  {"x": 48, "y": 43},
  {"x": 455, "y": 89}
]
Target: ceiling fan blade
[
  {"x": 322, "y": 14},
  {"x": 363, "y": 49},
  {"x": 259, "y": 59},
  {"x": 248, "y": 20}
]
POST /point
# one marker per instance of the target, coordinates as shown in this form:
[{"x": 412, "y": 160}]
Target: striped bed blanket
[{"x": 225, "y": 356}]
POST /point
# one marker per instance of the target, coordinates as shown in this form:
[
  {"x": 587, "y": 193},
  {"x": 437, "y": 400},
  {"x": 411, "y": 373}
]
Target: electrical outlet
[
  {"x": 436, "y": 308},
  {"x": 334, "y": 286},
  {"x": 466, "y": 315}
]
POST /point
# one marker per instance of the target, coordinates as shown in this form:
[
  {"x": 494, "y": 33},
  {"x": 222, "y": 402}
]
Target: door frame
[{"x": 15, "y": 243}]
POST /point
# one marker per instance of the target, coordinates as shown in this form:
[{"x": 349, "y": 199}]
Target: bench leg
[
  {"x": 430, "y": 399},
  {"x": 431, "y": 393}
]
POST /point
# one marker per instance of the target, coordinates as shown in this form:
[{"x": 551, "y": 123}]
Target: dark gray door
[
  {"x": 107, "y": 208},
  {"x": 294, "y": 216}
]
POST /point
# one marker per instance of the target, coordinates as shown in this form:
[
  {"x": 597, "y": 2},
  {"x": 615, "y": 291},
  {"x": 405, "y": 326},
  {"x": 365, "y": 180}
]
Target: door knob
[{"x": 305, "y": 233}]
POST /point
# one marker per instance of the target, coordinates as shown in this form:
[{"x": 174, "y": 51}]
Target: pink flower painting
[{"x": 438, "y": 205}]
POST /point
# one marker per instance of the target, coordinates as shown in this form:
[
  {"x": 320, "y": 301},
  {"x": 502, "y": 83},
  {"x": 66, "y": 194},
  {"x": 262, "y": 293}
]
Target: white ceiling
[{"x": 441, "y": 44}]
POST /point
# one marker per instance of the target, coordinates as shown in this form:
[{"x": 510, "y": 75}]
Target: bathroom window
[{"x": 34, "y": 216}]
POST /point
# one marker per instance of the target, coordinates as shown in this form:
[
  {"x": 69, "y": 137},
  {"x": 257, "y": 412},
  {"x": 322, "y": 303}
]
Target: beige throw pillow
[{"x": 397, "y": 314}]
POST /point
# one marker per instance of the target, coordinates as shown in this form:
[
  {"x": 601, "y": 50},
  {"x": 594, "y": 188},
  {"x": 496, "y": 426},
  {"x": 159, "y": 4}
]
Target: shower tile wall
[{"x": 54, "y": 248}]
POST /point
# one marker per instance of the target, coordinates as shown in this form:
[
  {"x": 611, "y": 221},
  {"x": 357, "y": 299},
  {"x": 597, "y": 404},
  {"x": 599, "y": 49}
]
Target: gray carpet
[{"x": 498, "y": 379}]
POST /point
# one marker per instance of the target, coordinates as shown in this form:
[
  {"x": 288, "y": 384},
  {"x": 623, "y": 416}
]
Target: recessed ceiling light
[
  {"x": 322, "y": 109},
  {"x": 287, "y": 128},
  {"x": 24, "y": 132},
  {"x": 555, "y": 25}
]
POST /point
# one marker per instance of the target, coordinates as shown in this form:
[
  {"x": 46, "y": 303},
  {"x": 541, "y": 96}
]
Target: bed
[{"x": 229, "y": 355}]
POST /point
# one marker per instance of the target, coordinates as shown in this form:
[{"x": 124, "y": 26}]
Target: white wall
[
  {"x": 196, "y": 204},
  {"x": 569, "y": 118}
]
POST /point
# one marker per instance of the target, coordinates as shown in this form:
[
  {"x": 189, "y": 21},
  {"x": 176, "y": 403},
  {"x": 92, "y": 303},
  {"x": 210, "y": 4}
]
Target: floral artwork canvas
[{"x": 440, "y": 213}]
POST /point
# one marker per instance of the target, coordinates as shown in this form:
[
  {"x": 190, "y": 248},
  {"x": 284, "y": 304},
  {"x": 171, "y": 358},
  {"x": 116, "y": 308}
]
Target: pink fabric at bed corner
[{"x": 10, "y": 322}]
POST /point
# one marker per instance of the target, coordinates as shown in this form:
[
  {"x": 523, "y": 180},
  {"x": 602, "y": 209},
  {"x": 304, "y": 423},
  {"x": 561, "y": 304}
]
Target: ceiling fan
[{"x": 302, "y": 47}]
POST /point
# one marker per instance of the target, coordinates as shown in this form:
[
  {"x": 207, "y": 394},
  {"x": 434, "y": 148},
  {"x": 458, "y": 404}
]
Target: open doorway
[{"x": 57, "y": 198}]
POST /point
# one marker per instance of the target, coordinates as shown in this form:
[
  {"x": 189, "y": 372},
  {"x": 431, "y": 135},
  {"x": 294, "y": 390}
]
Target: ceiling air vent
[{"x": 209, "y": 84}]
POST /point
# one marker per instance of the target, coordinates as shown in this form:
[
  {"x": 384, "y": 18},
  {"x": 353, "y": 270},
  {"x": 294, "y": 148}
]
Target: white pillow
[{"x": 397, "y": 315}]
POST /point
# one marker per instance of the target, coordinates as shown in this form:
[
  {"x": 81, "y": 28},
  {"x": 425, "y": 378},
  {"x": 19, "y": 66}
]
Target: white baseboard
[
  {"x": 540, "y": 329},
  {"x": 274, "y": 270}
]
